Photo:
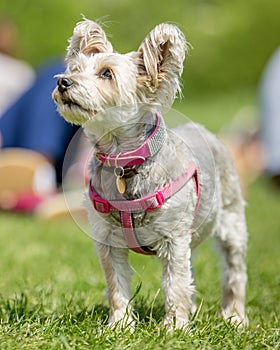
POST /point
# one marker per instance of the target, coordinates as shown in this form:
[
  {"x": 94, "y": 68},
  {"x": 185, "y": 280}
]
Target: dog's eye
[{"x": 106, "y": 74}]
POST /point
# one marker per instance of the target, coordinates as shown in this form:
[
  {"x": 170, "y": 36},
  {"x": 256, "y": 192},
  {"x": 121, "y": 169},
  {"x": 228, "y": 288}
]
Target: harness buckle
[
  {"x": 154, "y": 201},
  {"x": 101, "y": 205}
]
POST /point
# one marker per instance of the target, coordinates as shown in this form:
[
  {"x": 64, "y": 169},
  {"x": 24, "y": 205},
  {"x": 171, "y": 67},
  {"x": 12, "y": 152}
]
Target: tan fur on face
[{"x": 90, "y": 92}]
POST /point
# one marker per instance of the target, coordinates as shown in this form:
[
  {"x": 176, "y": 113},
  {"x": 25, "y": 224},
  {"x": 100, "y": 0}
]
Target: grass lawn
[{"x": 52, "y": 287}]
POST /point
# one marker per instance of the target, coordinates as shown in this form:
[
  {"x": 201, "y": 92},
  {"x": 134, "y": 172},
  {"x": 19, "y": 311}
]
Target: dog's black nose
[{"x": 64, "y": 84}]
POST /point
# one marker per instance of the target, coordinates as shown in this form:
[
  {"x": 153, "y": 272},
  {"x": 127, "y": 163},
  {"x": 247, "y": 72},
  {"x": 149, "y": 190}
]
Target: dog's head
[{"x": 97, "y": 78}]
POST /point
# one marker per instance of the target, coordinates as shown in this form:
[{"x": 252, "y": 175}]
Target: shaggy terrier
[{"x": 153, "y": 190}]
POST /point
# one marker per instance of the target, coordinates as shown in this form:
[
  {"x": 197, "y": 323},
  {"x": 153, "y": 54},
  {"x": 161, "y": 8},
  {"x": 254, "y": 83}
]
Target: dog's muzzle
[{"x": 63, "y": 84}]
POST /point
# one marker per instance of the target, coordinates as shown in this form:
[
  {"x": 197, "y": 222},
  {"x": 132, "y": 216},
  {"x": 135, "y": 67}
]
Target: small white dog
[{"x": 152, "y": 190}]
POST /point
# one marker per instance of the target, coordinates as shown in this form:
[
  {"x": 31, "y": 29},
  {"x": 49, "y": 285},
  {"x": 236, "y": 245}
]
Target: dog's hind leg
[
  {"x": 232, "y": 241},
  {"x": 114, "y": 262}
]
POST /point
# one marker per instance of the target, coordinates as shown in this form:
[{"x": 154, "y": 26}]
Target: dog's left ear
[
  {"x": 162, "y": 56},
  {"x": 88, "y": 38}
]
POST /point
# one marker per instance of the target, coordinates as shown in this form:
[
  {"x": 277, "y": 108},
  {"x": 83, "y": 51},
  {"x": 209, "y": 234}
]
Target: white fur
[{"x": 114, "y": 96}]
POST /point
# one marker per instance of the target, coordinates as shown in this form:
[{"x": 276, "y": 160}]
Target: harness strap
[
  {"x": 130, "y": 235},
  {"x": 147, "y": 203}
]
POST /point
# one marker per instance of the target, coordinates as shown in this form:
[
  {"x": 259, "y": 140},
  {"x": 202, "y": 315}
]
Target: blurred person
[
  {"x": 242, "y": 138},
  {"x": 270, "y": 115},
  {"x": 34, "y": 136},
  {"x": 15, "y": 75}
]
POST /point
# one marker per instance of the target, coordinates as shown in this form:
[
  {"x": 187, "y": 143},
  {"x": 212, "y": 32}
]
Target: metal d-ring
[{"x": 119, "y": 171}]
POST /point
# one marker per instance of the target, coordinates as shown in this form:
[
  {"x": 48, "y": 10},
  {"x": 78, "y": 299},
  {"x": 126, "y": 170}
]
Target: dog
[{"x": 154, "y": 190}]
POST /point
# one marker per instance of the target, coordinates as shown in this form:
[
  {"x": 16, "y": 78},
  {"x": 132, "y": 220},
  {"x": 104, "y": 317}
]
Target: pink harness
[{"x": 153, "y": 201}]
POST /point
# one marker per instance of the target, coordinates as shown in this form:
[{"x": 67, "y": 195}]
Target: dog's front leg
[
  {"x": 177, "y": 283},
  {"x": 114, "y": 262}
]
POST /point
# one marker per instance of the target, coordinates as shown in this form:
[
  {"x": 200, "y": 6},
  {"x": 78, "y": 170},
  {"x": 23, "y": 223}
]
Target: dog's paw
[
  {"x": 173, "y": 323},
  {"x": 120, "y": 321},
  {"x": 235, "y": 318}
]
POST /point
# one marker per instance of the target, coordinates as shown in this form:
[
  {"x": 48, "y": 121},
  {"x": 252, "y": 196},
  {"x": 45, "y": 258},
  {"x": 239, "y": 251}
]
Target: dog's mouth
[
  {"x": 75, "y": 107},
  {"x": 72, "y": 111},
  {"x": 71, "y": 104}
]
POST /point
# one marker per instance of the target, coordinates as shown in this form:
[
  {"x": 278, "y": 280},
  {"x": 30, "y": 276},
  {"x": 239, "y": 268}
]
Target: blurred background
[{"x": 232, "y": 42}]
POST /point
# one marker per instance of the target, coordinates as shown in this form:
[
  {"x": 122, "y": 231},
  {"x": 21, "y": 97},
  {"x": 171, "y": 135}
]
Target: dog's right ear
[
  {"x": 162, "y": 56},
  {"x": 88, "y": 38}
]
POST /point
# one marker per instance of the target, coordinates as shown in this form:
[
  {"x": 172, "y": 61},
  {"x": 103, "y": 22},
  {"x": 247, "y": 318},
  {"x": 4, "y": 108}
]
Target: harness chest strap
[{"x": 147, "y": 203}]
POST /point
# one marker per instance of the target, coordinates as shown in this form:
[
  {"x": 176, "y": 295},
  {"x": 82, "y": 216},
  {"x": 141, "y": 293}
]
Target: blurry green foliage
[{"x": 232, "y": 39}]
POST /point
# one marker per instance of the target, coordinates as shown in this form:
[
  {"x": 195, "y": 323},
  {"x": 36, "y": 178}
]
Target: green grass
[{"x": 52, "y": 287}]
